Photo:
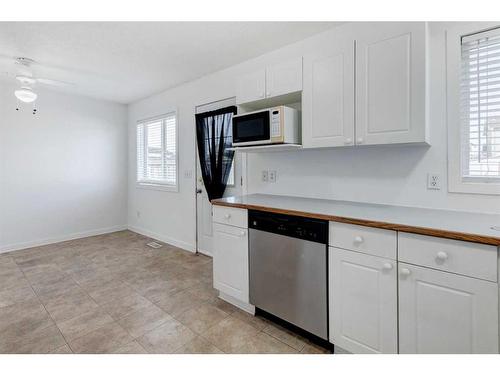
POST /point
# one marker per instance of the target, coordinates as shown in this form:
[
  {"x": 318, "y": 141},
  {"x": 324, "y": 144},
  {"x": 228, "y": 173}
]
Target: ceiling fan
[{"x": 28, "y": 81}]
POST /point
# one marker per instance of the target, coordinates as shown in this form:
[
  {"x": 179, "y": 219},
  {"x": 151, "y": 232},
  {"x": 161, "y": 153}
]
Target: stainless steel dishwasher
[{"x": 289, "y": 269}]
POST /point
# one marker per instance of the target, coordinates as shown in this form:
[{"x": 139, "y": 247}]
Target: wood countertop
[{"x": 457, "y": 225}]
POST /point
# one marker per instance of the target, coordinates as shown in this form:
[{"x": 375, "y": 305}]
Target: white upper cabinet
[
  {"x": 275, "y": 80},
  {"x": 251, "y": 87},
  {"x": 441, "y": 312},
  {"x": 390, "y": 83},
  {"x": 284, "y": 78},
  {"x": 363, "y": 302},
  {"x": 328, "y": 96}
]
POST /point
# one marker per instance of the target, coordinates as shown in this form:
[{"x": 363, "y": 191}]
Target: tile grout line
[{"x": 41, "y": 303}]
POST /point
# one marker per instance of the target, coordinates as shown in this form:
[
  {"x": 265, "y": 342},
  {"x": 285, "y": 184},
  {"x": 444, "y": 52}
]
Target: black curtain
[{"x": 214, "y": 134}]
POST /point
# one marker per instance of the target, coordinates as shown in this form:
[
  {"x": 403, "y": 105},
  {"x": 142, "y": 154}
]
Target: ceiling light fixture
[{"x": 26, "y": 94}]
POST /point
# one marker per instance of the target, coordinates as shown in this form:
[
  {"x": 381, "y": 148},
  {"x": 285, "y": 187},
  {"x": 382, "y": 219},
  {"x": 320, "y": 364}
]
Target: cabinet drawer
[
  {"x": 464, "y": 258},
  {"x": 373, "y": 241},
  {"x": 237, "y": 217}
]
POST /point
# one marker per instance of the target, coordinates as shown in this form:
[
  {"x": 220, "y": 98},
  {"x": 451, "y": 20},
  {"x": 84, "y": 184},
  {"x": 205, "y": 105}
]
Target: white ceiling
[{"x": 127, "y": 61}]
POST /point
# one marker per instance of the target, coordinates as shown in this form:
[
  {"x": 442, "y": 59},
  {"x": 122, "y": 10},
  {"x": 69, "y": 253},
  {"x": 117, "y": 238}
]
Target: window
[
  {"x": 230, "y": 178},
  {"x": 480, "y": 107},
  {"x": 473, "y": 107},
  {"x": 157, "y": 152}
]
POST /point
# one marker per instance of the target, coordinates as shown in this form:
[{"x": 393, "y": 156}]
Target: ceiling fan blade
[{"x": 53, "y": 82}]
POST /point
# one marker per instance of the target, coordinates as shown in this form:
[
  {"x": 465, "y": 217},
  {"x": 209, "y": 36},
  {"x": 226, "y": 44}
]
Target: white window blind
[
  {"x": 480, "y": 107},
  {"x": 157, "y": 151}
]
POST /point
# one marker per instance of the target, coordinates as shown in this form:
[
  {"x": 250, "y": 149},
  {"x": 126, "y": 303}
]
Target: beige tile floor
[{"x": 113, "y": 294}]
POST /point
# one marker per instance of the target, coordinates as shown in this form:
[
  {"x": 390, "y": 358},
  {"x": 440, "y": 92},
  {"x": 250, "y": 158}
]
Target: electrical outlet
[
  {"x": 265, "y": 176},
  {"x": 272, "y": 176},
  {"x": 188, "y": 173},
  {"x": 433, "y": 181}
]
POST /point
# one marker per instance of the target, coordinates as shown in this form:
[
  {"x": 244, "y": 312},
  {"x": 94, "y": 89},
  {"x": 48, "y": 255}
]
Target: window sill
[
  {"x": 469, "y": 187},
  {"x": 159, "y": 187}
]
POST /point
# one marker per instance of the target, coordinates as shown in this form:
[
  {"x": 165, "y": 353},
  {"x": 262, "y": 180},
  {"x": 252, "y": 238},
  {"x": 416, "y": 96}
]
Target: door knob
[
  {"x": 387, "y": 266},
  {"x": 359, "y": 140},
  {"x": 405, "y": 272},
  {"x": 441, "y": 255},
  {"x": 358, "y": 239}
]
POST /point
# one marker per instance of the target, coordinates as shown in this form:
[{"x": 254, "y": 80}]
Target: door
[
  {"x": 284, "y": 78},
  {"x": 231, "y": 261},
  {"x": 328, "y": 96},
  {"x": 390, "y": 83},
  {"x": 363, "y": 302},
  {"x": 204, "y": 229},
  {"x": 288, "y": 278},
  {"x": 251, "y": 87},
  {"x": 441, "y": 312}
]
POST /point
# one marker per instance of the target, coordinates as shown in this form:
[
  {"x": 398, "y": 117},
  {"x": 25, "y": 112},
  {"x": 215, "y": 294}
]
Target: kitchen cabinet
[
  {"x": 328, "y": 96},
  {"x": 251, "y": 87},
  {"x": 275, "y": 80},
  {"x": 284, "y": 78},
  {"x": 441, "y": 312},
  {"x": 391, "y": 83},
  {"x": 367, "y": 87},
  {"x": 230, "y": 261},
  {"x": 363, "y": 302}
]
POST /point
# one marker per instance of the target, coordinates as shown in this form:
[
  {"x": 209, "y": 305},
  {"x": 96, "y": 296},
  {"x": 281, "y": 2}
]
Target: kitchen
[
  {"x": 336, "y": 193},
  {"x": 383, "y": 230}
]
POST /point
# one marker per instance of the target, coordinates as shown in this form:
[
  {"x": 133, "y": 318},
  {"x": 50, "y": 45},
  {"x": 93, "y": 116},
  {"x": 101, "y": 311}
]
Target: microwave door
[{"x": 251, "y": 129}]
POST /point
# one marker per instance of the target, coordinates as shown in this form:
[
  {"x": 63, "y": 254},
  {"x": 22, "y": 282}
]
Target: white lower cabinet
[
  {"x": 230, "y": 261},
  {"x": 363, "y": 302},
  {"x": 441, "y": 312}
]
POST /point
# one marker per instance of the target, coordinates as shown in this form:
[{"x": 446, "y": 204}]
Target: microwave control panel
[{"x": 275, "y": 123}]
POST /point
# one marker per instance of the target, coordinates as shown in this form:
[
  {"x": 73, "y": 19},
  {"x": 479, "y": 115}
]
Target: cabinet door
[
  {"x": 441, "y": 312},
  {"x": 328, "y": 96},
  {"x": 230, "y": 261},
  {"x": 390, "y": 83},
  {"x": 284, "y": 78},
  {"x": 251, "y": 87},
  {"x": 363, "y": 302}
]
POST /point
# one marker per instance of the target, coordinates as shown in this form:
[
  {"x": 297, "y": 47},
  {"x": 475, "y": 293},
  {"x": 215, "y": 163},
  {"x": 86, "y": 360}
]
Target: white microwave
[{"x": 266, "y": 126}]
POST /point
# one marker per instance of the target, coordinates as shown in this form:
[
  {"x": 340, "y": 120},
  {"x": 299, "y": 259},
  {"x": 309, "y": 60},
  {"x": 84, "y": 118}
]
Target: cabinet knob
[
  {"x": 405, "y": 272},
  {"x": 268, "y": 93},
  {"x": 227, "y": 216},
  {"x": 387, "y": 266},
  {"x": 242, "y": 233},
  {"x": 442, "y": 255},
  {"x": 261, "y": 94},
  {"x": 348, "y": 141},
  {"x": 358, "y": 240},
  {"x": 359, "y": 140}
]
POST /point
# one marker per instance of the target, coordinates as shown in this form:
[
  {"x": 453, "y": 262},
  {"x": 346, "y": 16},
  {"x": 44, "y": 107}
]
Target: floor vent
[{"x": 154, "y": 245}]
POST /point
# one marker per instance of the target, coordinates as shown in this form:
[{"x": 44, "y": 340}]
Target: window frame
[
  {"x": 457, "y": 183},
  {"x": 157, "y": 185}
]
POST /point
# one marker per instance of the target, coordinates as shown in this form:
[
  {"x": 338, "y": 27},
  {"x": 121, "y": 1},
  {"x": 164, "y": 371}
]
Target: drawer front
[
  {"x": 460, "y": 257},
  {"x": 373, "y": 241},
  {"x": 237, "y": 217}
]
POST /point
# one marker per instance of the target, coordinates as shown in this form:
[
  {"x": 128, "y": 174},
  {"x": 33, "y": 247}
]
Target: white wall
[
  {"x": 63, "y": 172},
  {"x": 381, "y": 174}
]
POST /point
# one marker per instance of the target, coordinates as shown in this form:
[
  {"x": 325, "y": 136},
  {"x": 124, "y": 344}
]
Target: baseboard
[
  {"x": 239, "y": 304},
  {"x": 171, "y": 241},
  {"x": 66, "y": 237}
]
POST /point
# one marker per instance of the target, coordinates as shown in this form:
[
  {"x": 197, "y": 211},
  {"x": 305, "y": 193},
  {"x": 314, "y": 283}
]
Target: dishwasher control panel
[{"x": 293, "y": 226}]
